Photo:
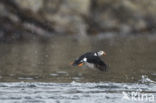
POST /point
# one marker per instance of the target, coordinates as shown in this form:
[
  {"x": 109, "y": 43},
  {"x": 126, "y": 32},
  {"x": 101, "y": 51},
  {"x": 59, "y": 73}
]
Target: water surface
[
  {"x": 103, "y": 92},
  {"x": 128, "y": 58},
  {"x": 39, "y": 71}
]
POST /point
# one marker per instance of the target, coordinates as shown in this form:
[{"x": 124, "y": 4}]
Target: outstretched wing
[{"x": 99, "y": 64}]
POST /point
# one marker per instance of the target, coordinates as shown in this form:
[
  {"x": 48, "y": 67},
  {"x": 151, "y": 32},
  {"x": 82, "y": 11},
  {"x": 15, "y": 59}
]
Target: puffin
[{"x": 91, "y": 60}]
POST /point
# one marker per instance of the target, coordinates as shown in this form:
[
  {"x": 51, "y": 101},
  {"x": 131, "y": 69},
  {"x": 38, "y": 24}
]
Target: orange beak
[{"x": 81, "y": 64}]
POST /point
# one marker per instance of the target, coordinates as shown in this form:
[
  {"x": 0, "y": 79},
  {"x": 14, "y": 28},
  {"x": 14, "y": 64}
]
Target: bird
[{"x": 92, "y": 60}]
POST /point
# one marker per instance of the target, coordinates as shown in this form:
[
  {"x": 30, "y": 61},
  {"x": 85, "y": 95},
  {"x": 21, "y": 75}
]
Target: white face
[{"x": 100, "y": 53}]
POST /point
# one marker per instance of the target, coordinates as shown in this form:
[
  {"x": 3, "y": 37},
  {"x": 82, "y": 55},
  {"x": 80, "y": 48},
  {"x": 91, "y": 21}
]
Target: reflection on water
[{"x": 128, "y": 58}]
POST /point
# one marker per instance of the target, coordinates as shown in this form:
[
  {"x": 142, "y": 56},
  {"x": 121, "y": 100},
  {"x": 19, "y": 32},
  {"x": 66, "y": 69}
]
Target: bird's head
[{"x": 101, "y": 52}]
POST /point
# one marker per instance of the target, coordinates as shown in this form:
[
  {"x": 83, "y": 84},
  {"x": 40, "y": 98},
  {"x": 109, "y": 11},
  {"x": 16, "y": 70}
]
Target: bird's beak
[
  {"x": 81, "y": 64},
  {"x": 104, "y": 54}
]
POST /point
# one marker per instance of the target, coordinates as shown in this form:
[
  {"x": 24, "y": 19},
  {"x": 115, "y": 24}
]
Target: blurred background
[{"x": 39, "y": 39}]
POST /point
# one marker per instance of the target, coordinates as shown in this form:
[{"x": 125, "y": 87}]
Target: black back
[
  {"x": 78, "y": 60},
  {"x": 91, "y": 58}
]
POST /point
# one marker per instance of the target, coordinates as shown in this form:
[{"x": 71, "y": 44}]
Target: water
[
  {"x": 74, "y": 92},
  {"x": 128, "y": 58},
  {"x": 39, "y": 71}
]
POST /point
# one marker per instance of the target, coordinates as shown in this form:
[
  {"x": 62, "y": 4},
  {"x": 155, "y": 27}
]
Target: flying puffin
[{"x": 92, "y": 60}]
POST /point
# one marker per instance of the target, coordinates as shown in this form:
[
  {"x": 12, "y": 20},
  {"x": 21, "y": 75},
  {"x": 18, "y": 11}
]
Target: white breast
[{"x": 90, "y": 65}]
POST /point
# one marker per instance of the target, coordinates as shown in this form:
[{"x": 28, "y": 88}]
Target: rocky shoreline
[{"x": 42, "y": 18}]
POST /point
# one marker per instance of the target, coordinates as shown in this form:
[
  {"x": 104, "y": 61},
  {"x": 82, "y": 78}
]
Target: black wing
[{"x": 98, "y": 63}]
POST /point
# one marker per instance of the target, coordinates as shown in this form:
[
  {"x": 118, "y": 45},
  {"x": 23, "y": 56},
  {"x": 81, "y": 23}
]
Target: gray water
[
  {"x": 103, "y": 92},
  {"x": 39, "y": 71},
  {"x": 128, "y": 58}
]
